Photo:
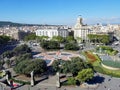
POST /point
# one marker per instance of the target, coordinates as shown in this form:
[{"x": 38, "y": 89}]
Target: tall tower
[{"x": 79, "y": 23}]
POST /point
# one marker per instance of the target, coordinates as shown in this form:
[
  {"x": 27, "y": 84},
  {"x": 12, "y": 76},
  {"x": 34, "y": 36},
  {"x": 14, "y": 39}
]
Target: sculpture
[
  {"x": 58, "y": 79},
  {"x": 32, "y": 78}
]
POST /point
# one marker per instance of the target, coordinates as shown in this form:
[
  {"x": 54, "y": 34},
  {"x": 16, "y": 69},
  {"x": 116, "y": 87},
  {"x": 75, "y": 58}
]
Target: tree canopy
[
  {"x": 99, "y": 38},
  {"x": 22, "y": 49},
  {"x": 71, "y": 46},
  {"x": 70, "y": 39},
  {"x": 25, "y": 67},
  {"x": 85, "y": 75},
  {"x": 8, "y": 54},
  {"x": 60, "y": 39},
  {"x": 50, "y": 45},
  {"x": 4, "y": 39},
  {"x": 42, "y": 38},
  {"x": 23, "y": 57},
  {"x": 31, "y": 36},
  {"x": 73, "y": 66}
]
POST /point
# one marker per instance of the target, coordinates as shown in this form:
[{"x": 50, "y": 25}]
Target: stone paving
[
  {"x": 109, "y": 83},
  {"x": 53, "y": 55}
]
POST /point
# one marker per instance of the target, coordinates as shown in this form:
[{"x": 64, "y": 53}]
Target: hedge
[
  {"x": 20, "y": 81},
  {"x": 70, "y": 81}
]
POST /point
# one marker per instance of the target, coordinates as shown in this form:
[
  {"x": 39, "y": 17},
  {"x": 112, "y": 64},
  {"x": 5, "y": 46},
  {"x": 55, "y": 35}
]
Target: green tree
[
  {"x": 73, "y": 66},
  {"x": 77, "y": 64},
  {"x": 85, "y": 75},
  {"x": 60, "y": 39},
  {"x": 71, "y": 81},
  {"x": 105, "y": 39},
  {"x": 22, "y": 50},
  {"x": 4, "y": 39},
  {"x": 25, "y": 67},
  {"x": 66, "y": 66},
  {"x": 20, "y": 67},
  {"x": 91, "y": 37},
  {"x": 50, "y": 45},
  {"x": 55, "y": 65},
  {"x": 71, "y": 46},
  {"x": 42, "y": 38},
  {"x": 38, "y": 66},
  {"x": 78, "y": 39},
  {"x": 70, "y": 39},
  {"x": 53, "y": 45},
  {"x": 31, "y": 36},
  {"x": 23, "y": 57},
  {"x": 8, "y": 54}
]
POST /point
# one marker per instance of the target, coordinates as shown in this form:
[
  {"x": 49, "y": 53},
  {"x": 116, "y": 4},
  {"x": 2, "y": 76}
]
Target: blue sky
[{"x": 60, "y": 11}]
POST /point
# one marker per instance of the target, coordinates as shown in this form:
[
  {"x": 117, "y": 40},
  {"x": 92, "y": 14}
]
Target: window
[
  {"x": 40, "y": 33},
  {"x": 46, "y": 33}
]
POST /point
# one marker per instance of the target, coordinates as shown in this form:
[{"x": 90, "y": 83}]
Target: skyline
[{"x": 62, "y": 12}]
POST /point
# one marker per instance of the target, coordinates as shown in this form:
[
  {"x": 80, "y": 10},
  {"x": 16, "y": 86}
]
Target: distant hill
[{"x": 8, "y": 23}]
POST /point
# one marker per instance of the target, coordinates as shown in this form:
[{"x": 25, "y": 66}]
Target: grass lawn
[
  {"x": 2, "y": 74},
  {"x": 97, "y": 66},
  {"x": 112, "y": 63},
  {"x": 107, "y": 49}
]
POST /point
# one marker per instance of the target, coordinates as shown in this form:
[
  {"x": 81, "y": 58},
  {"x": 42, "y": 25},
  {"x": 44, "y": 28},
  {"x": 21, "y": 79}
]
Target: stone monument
[
  {"x": 8, "y": 76},
  {"x": 32, "y": 78},
  {"x": 58, "y": 80}
]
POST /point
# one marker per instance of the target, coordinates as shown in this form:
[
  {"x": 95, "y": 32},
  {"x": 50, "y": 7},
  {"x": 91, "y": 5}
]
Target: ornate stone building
[{"x": 80, "y": 30}]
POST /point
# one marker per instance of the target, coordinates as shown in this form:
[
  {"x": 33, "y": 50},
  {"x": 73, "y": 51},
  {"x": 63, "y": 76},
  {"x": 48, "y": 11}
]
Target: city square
[{"x": 59, "y": 45}]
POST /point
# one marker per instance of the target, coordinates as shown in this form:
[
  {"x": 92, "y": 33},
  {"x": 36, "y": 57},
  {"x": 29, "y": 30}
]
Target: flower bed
[{"x": 90, "y": 56}]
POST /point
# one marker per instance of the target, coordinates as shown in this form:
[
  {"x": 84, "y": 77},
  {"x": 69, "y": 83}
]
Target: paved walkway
[{"x": 108, "y": 83}]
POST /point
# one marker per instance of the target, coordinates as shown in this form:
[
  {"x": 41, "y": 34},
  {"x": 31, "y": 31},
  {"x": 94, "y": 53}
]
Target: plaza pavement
[{"x": 109, "y": 83}]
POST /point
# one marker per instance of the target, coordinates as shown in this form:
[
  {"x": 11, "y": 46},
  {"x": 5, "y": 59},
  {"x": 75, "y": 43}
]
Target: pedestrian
[
  {"x": 109, "y": 79},
  {"x": 104, "y": 86}
]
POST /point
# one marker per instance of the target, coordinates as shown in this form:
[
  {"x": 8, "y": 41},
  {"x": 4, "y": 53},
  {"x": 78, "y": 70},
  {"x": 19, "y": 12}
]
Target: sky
[{"x": 63, "y": 12}]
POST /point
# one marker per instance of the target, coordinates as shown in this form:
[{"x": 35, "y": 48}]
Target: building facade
[
  {"x": 52, "y": 32},
  {"x": 80, "y": 30}
]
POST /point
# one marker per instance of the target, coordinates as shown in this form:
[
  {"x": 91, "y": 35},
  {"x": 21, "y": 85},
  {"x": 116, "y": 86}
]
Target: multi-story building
[
  {"x": 50, "y": 32},
  {"x": 80, "y": 30}
]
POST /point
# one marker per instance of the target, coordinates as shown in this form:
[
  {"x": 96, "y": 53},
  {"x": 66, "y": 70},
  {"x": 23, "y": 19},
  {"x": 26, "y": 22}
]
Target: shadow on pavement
[{"x": 96, "y": 79}]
